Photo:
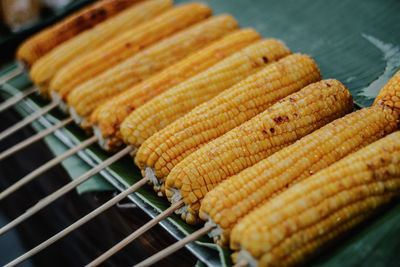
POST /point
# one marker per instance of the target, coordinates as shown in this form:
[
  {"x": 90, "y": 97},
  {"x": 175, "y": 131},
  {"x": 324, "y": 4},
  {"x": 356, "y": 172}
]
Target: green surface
[{"x": 356, "y": 42}]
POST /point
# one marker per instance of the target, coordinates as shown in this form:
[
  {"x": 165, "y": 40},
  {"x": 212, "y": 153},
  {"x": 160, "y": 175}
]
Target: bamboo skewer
[
  {"x": 46, "y": 167},
  {"x": 12, "y": 74},
  {"x": 27, "y": 120},
  {"x": 18, "y": 97},
  {"x": 173, "y": 248},
  {"x": 129, "y": 239},
  {"x": 81, "y": 221},
  {"x": 65, "y": 189},
  {"x": 34, "y": 138},
  {"x": 241, "y": 264}
]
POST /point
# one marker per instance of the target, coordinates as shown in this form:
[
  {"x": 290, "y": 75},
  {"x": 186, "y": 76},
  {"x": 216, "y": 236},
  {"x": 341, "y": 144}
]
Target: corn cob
[
  {"x": 91, "y": 94},
  {"x": 177, "y": 101},
  {"x": 41, "y": 43},
  {"x": 166, "y": 148},
  {"x": 126, "y": 45},
  {"x": 290, "y": 227},
  {"x": 280, "y": 125},
  {"x": 390, "y": 94},
  {"x": 238, "y": 195},
  {"x": 45, "y": 68},
  {"x": 109, "y": 116}
]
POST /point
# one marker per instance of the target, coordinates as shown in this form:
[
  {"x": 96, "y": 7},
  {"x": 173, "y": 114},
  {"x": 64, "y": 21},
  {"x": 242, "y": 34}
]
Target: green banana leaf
[{"x": 356, "y": 42}]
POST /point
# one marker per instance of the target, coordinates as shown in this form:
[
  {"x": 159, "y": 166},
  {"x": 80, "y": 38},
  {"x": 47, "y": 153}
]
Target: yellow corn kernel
[
  {"x": 109, "y": 116},
  {"x": 46, "y": 67},
  {"x": 270, "y": 177},
  {"x": 126, "y": 45},
  {"x": 290, "y": 227},
  {"x": 91, "y": 94},
  {"x": 227, "y": 110},
  {"x": 280, "y": 125},
  {"x": 177, "y": 101},
  {"x": 390, "y": 94},
  {"x": 41, "y": 43}
]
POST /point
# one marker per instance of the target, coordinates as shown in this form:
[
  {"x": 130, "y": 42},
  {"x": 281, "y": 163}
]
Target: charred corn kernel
[
  {"x": 109, "y": 116},
  {"x": 177, "y": 101},
  {"x": 41, "y": 43},
  {"x": 290, "y": 227},
  {"x": 390, "y": 94},
  {"x": 91, "y": 94},
  {"x": 238, "y": 195},
  {"x": 46, "y": 67},
  {"x": 126, "y": 45},
  {"x": 166, "y": 148},
  {"x": 280, "y": 125}
]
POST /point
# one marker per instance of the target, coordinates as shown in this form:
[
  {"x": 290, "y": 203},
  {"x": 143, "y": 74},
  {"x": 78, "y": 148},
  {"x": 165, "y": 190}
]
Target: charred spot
[
  {"x": 102, "y": 12},
  {"x": 265, "y": 59},
  {"x": 369, "y": 165},
  {"x": 131, "y": 107},
  {"x": 334, "y": 96},
  {"x": 264, "y": 131},
  {"x": 382, "y": 160},
  {"x": 127, "y": 44},
  {"x": 328, "y": 84},
  {"x": 295, "y": 114},
  {"x": 80, "y": 20},
  {"x": 278, "y": 119},
  {"x": 291, "y": 99},
  {"x": 272, "y": 130},
  {"x": 286, "y": 118},
  {"x": 287, "y": 185}
]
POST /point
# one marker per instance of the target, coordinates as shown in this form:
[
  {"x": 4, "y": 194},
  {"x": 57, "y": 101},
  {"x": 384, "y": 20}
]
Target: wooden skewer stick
[
  {"x": 16, "y": 98},
  {"x": 175, "y": 247},
  {"x": 65, "y": 189},
  {"x": 241, "y": 264},
  {"x": 27, "y": 120},
  {"x": 34, "y": 138},
  {"x": 29, "y": 177},
  {"x": 78, "y": 223},
  {"x": 12, "y": 74},
  {"x": 129, "y": 239}
]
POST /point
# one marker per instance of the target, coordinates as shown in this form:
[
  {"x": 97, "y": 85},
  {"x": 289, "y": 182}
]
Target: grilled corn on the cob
[
  {"x": 290, "y": 227},
  {"x": 390, "y": 94},
  {"x": 226, "y": 204},
  {"x": 126, "y": 45},
  {"x": 91, "y": 94},
  {"x": 46, "y": 67},
  {"x": 280, "y": 125},
  {"x": 166, "y": 148},
  {"x": 177, "y": 101},
  {"x": 41, "y": 43},
  {"x": 108, "y": 117}
]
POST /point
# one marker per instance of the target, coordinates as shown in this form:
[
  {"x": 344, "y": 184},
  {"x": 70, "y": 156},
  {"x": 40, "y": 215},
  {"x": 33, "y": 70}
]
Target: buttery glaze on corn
[
  {"x": 176, "y": 102},
  {"x": 280, "y": 125},
  {"x": 126, "y": 45},
  {"x": 166, "y": 148},
  {"x": 109, "y": 116},
  {"x": 46, "y": 67},
  {"x": 230, "y": 201},
  {"x": 294, "y": 225},
  {"x": 91, "y": 94}
]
